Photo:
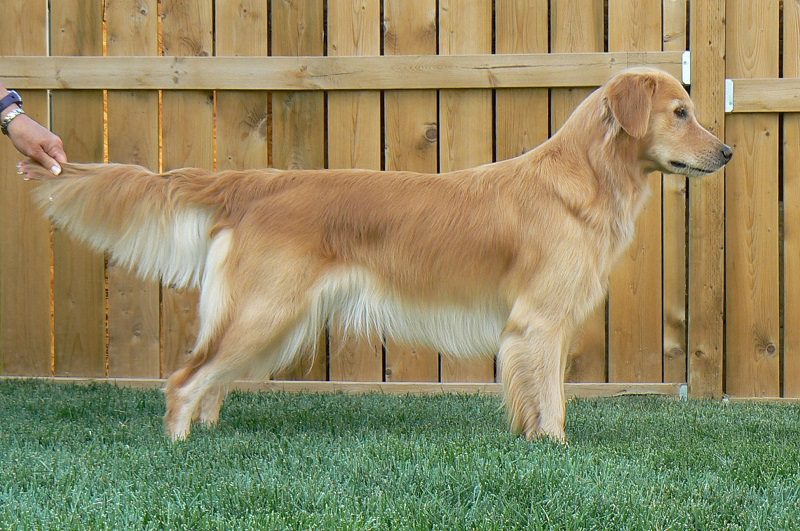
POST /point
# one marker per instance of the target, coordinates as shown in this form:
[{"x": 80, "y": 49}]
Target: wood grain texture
[
  {"x": 674, "y": 228},
  {"x": 298, "y": 117},
  {"x": 578, "y": 26},
  {"x": 635, "y": 297},
  {"x": 575, "y": 26},
  {"x": 465, "y": 129},
  {"x": 354, "y": 124},
  {"x": 331, "y": 73},
  {"x": 133, "y": 304},
  {"x": 298, "y": 126},
  {"x": 79, "y": 289},
  {"x": 242, "y": 120},
  {"x": 791, "y": 210},
  {"x": 767, "y": 95},
  {"x": 522, "y": 115},
  {"x": 751, "y": 217},
  {"x": 411, "y": 143},
  {"x": 187, "y": 136},
  {"x": 24, "y": 232},
  {"x": 707, "y": 207}
]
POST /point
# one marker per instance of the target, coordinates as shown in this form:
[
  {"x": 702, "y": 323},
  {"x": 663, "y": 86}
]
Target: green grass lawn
[{"x": 96, "y": 457}]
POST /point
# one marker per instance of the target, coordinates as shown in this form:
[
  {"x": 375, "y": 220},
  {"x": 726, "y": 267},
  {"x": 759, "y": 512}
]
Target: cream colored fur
[{"x": 506, "y": 257}]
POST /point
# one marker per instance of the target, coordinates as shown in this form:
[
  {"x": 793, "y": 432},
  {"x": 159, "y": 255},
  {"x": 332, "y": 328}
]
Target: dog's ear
[{"x": 630, "y": 99}]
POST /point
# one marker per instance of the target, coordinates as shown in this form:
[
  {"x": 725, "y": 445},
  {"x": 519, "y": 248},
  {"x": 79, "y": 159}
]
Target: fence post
[
  {"x": 751, "y": 211},
  {"x": 707, "y": 206},
  {"x": 791, "y": 210}
]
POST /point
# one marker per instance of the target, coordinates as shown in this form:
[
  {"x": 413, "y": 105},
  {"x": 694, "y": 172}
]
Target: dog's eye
[{"x": 681, "y": 113}]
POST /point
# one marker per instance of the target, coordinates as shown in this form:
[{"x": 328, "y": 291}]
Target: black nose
[{"x": 727, "y": 152}]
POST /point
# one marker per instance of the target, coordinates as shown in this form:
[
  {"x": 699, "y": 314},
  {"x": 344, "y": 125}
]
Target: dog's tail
[{"x": 157, "y": 225}]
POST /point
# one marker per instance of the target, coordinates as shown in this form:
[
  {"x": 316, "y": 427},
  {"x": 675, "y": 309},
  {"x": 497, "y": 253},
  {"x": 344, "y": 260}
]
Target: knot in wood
[
  {"x": 431, "y": 133},
  {"x": 771, "y": 349}
]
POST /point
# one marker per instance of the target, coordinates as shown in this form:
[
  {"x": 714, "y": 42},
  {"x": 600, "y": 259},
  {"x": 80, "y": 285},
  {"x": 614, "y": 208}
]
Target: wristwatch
[{"x": 12, "y": 98}]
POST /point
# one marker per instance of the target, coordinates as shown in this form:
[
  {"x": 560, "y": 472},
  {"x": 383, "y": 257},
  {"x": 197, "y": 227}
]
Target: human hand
[{"x": 36, "y": 141}]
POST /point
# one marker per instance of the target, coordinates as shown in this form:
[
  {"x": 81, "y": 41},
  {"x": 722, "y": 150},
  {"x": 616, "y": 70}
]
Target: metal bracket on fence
[
  {"x": 683, "y": 392},
  {"x": 686, "y": 71},
  {"x": 728, "y": 95}
]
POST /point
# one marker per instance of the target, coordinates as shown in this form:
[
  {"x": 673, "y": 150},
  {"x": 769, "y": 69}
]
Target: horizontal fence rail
[
  {"x": 762, "y": 95},
  {"x": 331, "y": 73}
]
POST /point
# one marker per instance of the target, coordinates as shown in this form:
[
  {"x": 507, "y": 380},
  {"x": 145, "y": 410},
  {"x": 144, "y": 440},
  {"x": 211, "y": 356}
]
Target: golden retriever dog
[{"x": 504, "y": 258}]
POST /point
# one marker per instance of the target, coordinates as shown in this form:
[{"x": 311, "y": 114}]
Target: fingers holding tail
[{"x": 33, "y": 171}]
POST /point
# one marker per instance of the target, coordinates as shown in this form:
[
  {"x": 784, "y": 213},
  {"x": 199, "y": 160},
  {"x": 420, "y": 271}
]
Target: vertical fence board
[
  {"x": 241, "y": 29},
  {"x": 752, "y": 302},
  {"x": 465, "y": 128},
  {"x": 707, "y": 206},
  {"x": 634, "y": 309},
  {"x": 24, "y": 231},
  {"x": 298, "y": 117},
  {"x": 522, "y": 119},
  {"x": 674, "y": 227},
  {"x": 79, "y": 290},
  {"x": 577, "y": 26},
  {"x": 791, "y": 209},
  {"x": 411, "y": 144},
  {"x": 187, "y": 136},
  {"x": 298, "y": 124},
  {"x": 133, "y": 304},
  {"x": 354, "y": 123}
]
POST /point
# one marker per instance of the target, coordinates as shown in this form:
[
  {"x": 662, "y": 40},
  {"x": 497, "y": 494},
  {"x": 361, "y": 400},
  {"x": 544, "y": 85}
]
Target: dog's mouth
[{"x": 682, "y": 167}]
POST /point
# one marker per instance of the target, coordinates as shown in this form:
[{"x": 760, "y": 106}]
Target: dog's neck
[{"x": 611, "y": 179}]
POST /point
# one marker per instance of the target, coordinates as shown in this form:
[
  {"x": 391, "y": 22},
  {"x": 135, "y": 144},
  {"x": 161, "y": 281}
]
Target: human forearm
[{"x": 28, "y": 136}]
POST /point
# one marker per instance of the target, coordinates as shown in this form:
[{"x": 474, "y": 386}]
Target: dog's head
[{"x": 654, "y": 109}]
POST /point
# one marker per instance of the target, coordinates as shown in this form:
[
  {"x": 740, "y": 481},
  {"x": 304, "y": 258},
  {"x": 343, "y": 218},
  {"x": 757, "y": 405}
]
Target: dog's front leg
[{"x": 532, "y": 359}]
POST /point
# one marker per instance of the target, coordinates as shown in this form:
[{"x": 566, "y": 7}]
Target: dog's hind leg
[
  {"x": 271, "y": 316},
  {"x": 214, "y": 311},
  {"x": 256, "y": 340},
  {"x": 531, "y": 366},
  {"x": 210, "y": 405}
]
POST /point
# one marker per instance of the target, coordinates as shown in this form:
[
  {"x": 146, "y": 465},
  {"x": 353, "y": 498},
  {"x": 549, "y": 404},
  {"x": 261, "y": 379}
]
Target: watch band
[
  {"x": 9, "y": 117},
  {"x": 11, "y": 98}
]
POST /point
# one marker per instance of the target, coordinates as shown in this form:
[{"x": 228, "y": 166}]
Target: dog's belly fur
[{"x": 353, "y": 300}]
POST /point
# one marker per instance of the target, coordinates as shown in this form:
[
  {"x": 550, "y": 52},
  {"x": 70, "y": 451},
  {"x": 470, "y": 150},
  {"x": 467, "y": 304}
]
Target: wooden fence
[{"x": 709, "y": 293}]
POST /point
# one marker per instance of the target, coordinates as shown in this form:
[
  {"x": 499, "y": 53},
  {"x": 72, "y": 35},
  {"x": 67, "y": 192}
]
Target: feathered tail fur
[{"x": 157, "y": 225}]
